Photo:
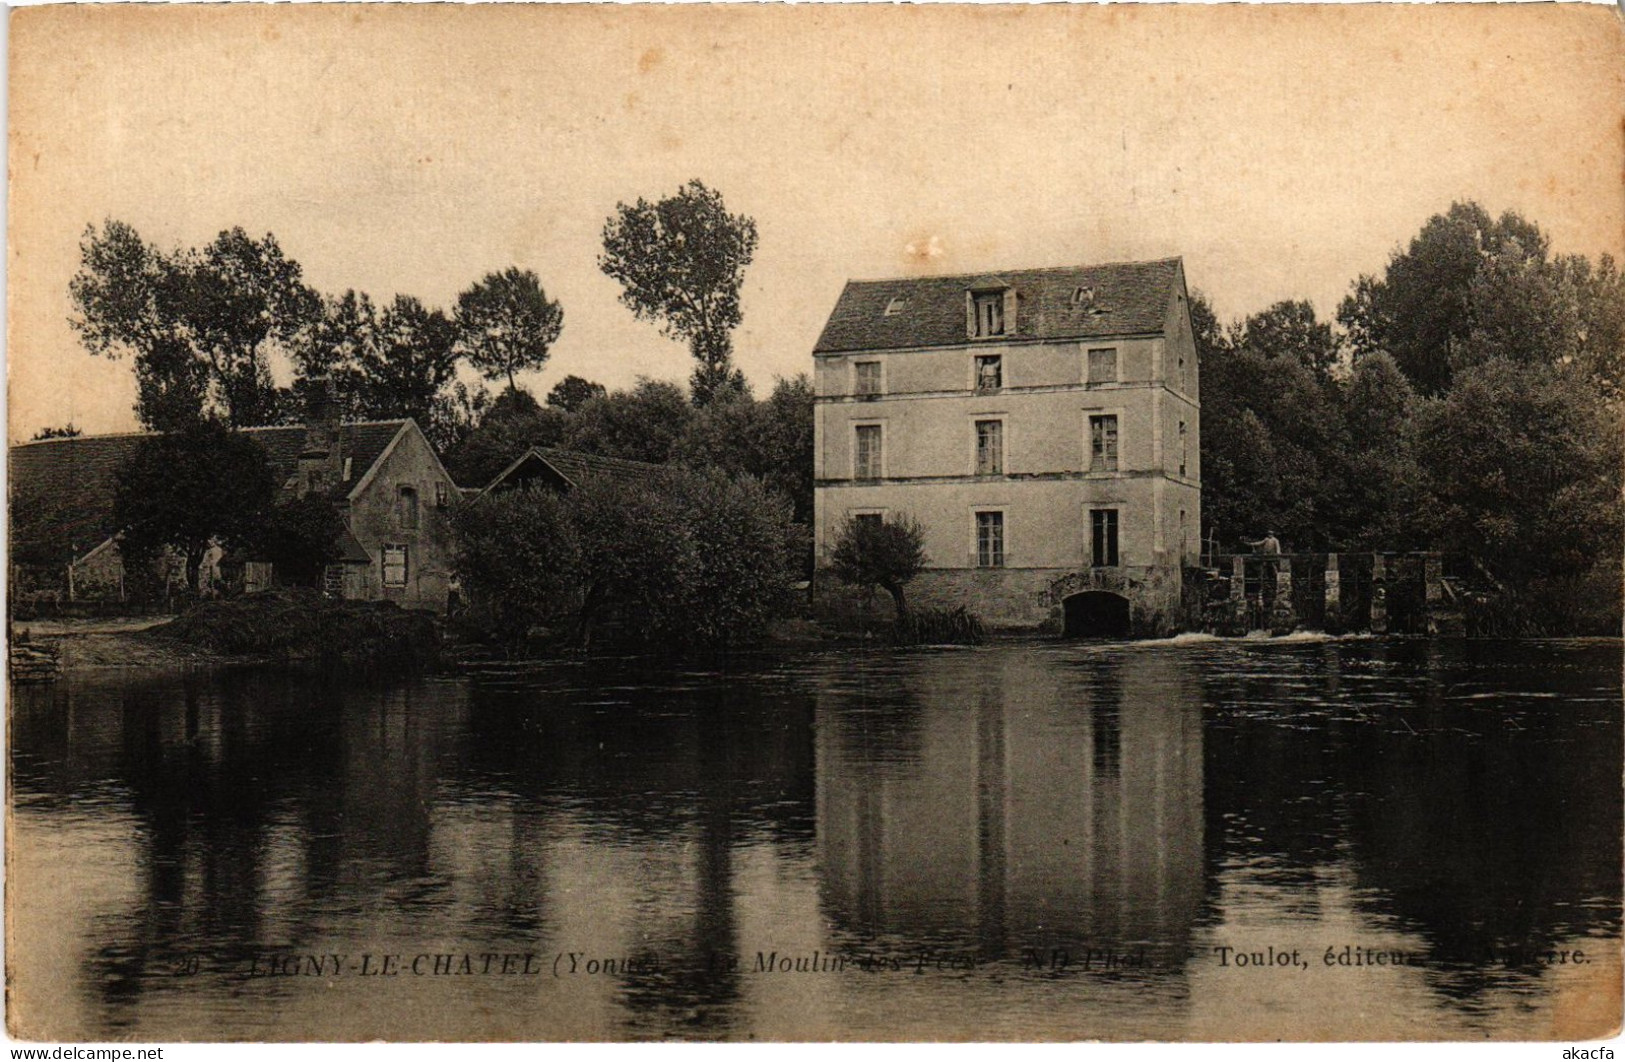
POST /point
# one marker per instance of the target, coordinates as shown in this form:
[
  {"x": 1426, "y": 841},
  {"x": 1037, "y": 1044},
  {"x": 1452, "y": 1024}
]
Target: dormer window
[
  {"x": 988, "y": 307},
  {"x": 896, "y": 306},
  {"x": 1083, "y": 298}
]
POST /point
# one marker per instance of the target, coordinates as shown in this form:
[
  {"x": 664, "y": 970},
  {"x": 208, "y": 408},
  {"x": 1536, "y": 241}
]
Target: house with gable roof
[
  {"x": 1042, "y": 425},
  {"x": 383, "y": 476}
]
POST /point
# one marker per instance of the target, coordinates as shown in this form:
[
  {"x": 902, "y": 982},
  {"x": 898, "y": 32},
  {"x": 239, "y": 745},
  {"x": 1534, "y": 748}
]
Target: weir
[{"x": 1379, "y": 592}]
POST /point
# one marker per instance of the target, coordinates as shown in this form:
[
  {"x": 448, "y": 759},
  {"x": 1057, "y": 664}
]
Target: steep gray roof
[
  {"x": 67, "y": 485},
  {"x": 1128, "y": 298},
  {"x": 574, "y": 468}
]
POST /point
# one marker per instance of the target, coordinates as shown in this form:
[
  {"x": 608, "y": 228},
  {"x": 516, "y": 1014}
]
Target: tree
[
  {"x": 1271, "y": 426},
  {"x": 1422, "y": 307},
  {"x": 691, "y": 559},
  {"x": 1523, "y": 467},
  {"x": 512, "y": 424},
  {"x": 519, "y": 558},
  {"x": 200, "y": 325},
  {"x": 1383, "y": 504},
  {"x": 506, "y": 324},
  {"x": 884, "y": 553},
  {"x": 300, "y": 537},
  {"x": 681, "y": 262},
  {"x": 771, "y": 440},
  {"x": 125, "y": 299},
  {"x": 66, "y": 431},
  {"x": 573, "y": 392},
  {"x": 190, "y": 489},
  {"x": 646, "y": 423},
  {"x": 1290, "y": 330},
  {"x": 241, "y": 299}
]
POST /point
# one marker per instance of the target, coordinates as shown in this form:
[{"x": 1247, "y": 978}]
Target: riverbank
[
  {"x": 116, "y": 642},
  {"x": 279, "y": 626}
]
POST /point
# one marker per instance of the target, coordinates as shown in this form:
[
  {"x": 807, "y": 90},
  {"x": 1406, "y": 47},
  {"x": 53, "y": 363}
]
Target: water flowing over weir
[{"x": 1073, "y": 839}]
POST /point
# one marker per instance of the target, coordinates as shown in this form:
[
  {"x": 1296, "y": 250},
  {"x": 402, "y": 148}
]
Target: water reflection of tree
[
  {"x": 661, "y": 763},
  {"x": 261, "y": 802},
  {"x": 1480, "y": 820}
]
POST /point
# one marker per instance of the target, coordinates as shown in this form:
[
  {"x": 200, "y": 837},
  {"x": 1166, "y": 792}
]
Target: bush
[
  {"x": 299, "y": 623},
  {"x": 682, "y": 560},
  {"x": 938, "y": 626},
  {"x": 519, "y": 557}
]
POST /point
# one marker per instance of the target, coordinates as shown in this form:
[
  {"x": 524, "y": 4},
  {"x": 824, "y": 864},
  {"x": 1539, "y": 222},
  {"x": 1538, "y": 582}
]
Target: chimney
[{"x": 320, "y": 460}]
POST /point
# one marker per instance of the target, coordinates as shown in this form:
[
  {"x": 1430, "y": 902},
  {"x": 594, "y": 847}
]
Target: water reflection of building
[{"x": 1014, "y": 802}]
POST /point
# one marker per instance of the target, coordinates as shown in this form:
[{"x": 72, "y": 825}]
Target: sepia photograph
[{"x": 805, "y": 523}]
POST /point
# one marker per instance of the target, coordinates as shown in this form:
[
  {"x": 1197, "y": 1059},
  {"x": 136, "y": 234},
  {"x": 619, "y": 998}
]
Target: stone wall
[{"x": 1015, "y": 599}]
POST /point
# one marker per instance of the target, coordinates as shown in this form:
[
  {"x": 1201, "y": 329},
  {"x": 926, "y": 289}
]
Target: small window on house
[
  {"x": 1103, "y": 537},
  {"x": 409, "y": 507},
  {"x": 869, "y": 521},
  {"x": 442, "y": 495},
  {"x": 1103, "y": 365},
  {"x": 896, "y": 306},
  {"x": 394, "y": 558},
  {"x": 990, "y": 448},
  {"x": 348, "y": 462},
  {"x": 1103, "y": 443},
  {"x": 866, "y": 453},
  {"x": 1184, "y": 447},
  {"x": 989, "y": 372},
  {"x": 989, "y": 307},
  {"x": 868, "y": 377},
  {"x": 990, "y": 540}
]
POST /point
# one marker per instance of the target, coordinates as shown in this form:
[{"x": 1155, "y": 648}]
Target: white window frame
[
  {"x": 976, "y": 536},
  {"x": 986, "y": 297},
  {"x": 384, "y": 565},
  {"x": 880, "y": 426},
  {"x": 1117, "y": 365},
  {"x": 880, "y": 378},
  {"x": 1089, "y": 510},
  {"x": 976, "y": 422},
  {"x": 1089, "y": 468}
]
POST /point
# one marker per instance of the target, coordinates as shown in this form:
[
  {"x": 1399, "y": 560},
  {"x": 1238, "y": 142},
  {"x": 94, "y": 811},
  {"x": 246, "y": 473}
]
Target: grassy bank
[{"x": 302, "y": 625}]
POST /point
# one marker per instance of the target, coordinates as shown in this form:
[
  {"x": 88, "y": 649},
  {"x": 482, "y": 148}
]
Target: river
[{"x": 1192, "y": 839}]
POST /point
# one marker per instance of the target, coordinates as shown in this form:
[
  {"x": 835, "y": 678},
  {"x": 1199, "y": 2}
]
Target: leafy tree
[
  {"x": 241, "y": 299},
  {"x": 1421, "y": 309},
  {"x": 646, "y": 423},
  {"x": 1383, "y": 502},
  {"x": 573, "y": 392},
  {"x": 191, "y": 488},
  {"x": 511, "y": 425},
  {"x": 300, "y": 537},
  {"x": 200, "y": 325},
  {"x": 519, "y": 558},
  {"x": 1523, "y": 467},
  {"x": 506, "y": 324},
  {"x": 771, "y": 440},
  {"x": 683, "y": 560},
  {"x": 681, "y": 262},
  {"x": 66, "y": 431},
  {"x": 884, "y": 553},
  {"x": 694, "y": 560},
  {"x": 1290, "y": 330},
  {"x": 1270, "y": 429}
]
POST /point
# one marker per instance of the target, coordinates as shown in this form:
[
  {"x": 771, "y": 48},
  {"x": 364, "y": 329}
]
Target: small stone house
[
  {"x": 383, "y": 476},
  {"x": 1043, "y": 427}
]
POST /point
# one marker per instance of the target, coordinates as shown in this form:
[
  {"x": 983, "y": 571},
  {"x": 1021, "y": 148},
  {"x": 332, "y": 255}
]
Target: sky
[{"x": 1280, "y": 150}]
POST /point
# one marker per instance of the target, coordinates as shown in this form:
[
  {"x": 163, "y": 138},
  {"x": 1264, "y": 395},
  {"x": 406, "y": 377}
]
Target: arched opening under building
[{"x": 1096, "y": 614}]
